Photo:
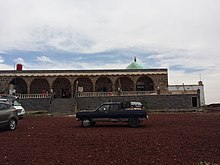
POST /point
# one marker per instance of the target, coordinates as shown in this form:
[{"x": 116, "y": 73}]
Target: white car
[
  {"x": 21, "y": 110},
  {"x": 16, "y": 105}
]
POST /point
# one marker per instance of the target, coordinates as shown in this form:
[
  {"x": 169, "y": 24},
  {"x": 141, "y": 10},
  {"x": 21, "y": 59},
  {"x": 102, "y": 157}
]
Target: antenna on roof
[{"x": 200, "y": 77}]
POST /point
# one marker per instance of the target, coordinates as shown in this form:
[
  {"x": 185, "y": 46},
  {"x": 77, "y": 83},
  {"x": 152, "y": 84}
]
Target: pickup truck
[{"x": 112, "y": 112}]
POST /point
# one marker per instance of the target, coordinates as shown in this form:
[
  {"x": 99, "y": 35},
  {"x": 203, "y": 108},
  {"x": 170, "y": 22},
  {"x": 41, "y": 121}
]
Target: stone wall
[
  {"x": 152, "y": 102},
  {"x": 36, "y": 104}
]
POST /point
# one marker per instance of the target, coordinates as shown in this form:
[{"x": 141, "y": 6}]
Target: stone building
[
  {"x": 64, "y": 83},
  {"x": 134, "y": 82}
]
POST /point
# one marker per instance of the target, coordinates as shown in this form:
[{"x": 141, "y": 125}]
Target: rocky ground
[{"x": 166, "y": 138}]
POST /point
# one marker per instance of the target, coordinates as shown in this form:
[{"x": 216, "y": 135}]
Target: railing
[
  {"x": 183, "y": 92},
  {"x": 132, "y": 93},
  {"x": 104, "y": 94},
  {"x": 125, "y": 93},
  {"x": 27, "y": 96}
]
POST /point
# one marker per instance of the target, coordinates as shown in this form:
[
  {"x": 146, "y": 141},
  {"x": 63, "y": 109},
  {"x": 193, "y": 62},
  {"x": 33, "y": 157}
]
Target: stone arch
[
  {"x": 144, "y": 83},
  {"x": 62, "y": 88},
  {"x": 20, "y": 85},
  {"x": 103, "y": 84},
  {"x": 84, "y": 83},
  {"x": 39, "y": 85},
  {"x": 124, "y": 83}
]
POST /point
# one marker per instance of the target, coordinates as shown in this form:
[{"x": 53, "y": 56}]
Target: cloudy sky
[{"x": 181, "y": 35}]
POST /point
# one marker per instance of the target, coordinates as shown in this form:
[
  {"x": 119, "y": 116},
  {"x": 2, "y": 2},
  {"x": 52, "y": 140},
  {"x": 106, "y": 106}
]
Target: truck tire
[
  {"x": 133, "y": 122},
  {"x": 86, "y": 123}
]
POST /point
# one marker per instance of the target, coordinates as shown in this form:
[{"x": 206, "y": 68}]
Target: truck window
[
  {"x": 104, "y": 108},
  {"x": 115, "y": 107}
]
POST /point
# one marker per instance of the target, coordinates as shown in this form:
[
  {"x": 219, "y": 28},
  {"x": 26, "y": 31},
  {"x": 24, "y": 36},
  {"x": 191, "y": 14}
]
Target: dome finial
[{"x": 135, "y": 65}]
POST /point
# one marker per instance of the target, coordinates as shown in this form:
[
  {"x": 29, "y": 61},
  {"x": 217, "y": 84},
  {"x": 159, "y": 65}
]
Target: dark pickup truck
[{"x": 112, "y": 112}]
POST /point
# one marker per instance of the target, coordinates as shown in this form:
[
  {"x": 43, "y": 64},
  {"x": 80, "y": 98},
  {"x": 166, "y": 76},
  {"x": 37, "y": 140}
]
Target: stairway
[{"x": 62, "y": 105}]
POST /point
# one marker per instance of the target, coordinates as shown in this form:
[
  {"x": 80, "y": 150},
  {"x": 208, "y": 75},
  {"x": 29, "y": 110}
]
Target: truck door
[
  {"x": 102, "y": 113},
  {"x": 115, "y": 111}
]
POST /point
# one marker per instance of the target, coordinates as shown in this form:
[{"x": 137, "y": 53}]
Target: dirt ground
[{"x": 183, "y": 138}]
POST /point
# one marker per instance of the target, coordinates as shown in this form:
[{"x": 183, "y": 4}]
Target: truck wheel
[
  {"x": 12, "y": 124},
  {"x": 86, "y": 123},
  {"x": 133, "y": 122}
]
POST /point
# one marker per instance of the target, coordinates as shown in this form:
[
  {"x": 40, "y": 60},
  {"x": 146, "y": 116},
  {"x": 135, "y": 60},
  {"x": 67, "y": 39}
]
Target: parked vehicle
[
  {"x": 9, "y": 97},
  {"x": 8, "y": 116},
  {"x": 17, "y": 105},
  {"x": 111, "y": 112},
  {"x": 5, "y": 101},
  {"x": 21, "y": 110}
]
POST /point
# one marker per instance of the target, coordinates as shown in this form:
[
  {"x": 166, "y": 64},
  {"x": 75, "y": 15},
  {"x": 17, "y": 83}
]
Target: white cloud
[
  {"x": 5, "y": 67},
  {"x": 1, "y": 59},
  {"x": 19, "y": 60},
  {"x": 109, "y": 24},
  {"x": 43, "y": 59}
]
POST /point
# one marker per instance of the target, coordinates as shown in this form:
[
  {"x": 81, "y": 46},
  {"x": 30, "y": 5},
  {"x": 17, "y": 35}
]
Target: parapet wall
[
  {"x": 152, "y": 102},
  {"x": 35, "y": 104}
]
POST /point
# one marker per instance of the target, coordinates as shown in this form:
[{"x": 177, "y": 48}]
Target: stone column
[
  {"x": 134, "y": 80},
  {"x": 113, "y": 79},
  {"x": 28, "y": 81},
  {"x": 72, "y": 87},
  {"x": 93, "y": 79}
]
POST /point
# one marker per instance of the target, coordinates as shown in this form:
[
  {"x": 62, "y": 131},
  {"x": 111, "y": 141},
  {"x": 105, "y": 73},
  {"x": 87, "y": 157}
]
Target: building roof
[
  {"x": 119, "y": 72},
  {"x": 135, "y": 65}
]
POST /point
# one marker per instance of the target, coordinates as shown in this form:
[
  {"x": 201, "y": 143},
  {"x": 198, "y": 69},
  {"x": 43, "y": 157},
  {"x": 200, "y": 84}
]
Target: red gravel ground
[{"x": 185, "y": 138}]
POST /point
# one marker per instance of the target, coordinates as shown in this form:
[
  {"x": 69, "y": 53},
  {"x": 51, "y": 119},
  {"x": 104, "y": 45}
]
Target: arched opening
[
  {"x": 103, "y": 84},
  {"x": 83, "y": 84},
  {"x": 62, "y": 88},
  {"x": 19, "y": 85},
  {"x": 144, "y": 84},
  {"x": 124, "y": 84},
  {"x": 39, "y": 85}
]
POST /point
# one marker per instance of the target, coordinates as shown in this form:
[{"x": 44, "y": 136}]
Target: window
[
  {"x": 4, "y": 106},
  {"x": 104, "y": 108},
  {"x": 115, "y": 107}
]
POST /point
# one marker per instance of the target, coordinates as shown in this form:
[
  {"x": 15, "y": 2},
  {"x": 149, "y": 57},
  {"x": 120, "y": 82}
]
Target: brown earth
[{"x": 184, "y": 138}]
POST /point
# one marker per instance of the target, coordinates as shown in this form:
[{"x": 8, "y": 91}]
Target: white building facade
[{"x": 184, "y": 88}]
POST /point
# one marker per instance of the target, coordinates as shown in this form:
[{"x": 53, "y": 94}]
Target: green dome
[{"x": 135, "y": 65}]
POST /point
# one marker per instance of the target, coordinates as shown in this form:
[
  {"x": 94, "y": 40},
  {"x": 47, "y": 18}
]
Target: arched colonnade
[{"x": 65, "y": 87}]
